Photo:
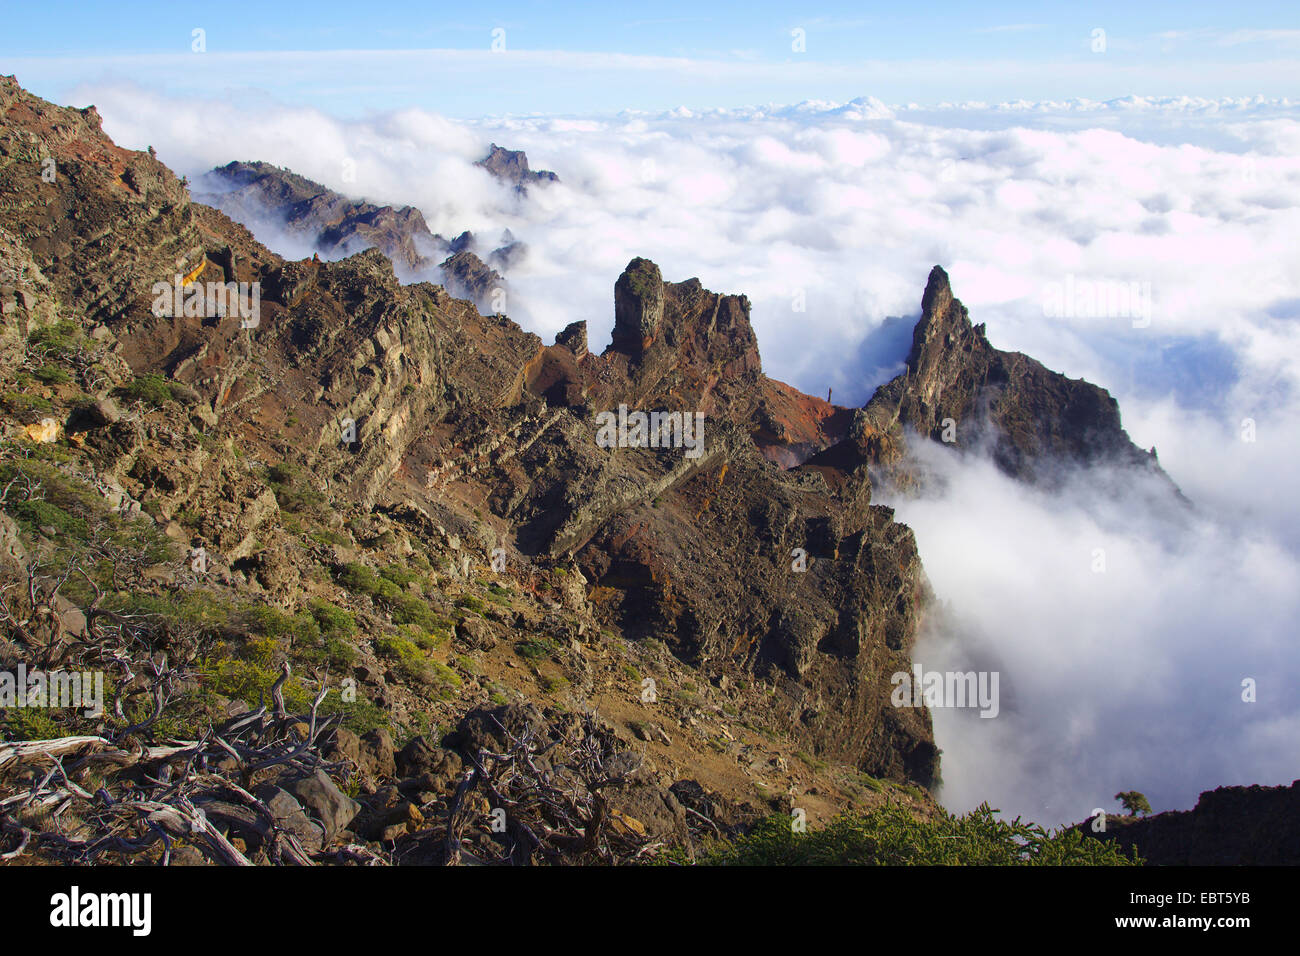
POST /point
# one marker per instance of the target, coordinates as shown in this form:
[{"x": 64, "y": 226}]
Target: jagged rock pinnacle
[{"x": 638, "y": 307}]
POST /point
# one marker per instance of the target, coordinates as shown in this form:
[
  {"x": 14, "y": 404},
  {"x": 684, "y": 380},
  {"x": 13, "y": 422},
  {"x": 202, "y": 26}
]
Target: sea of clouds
[{"x": 1124, "y": 679}]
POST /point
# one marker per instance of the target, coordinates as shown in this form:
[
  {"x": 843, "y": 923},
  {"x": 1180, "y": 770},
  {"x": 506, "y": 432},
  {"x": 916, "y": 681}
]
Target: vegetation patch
[
  {"x": 891, "y": 836},
  {"x": 151, "y": 389},
  {"x": 535, "y": 649}
]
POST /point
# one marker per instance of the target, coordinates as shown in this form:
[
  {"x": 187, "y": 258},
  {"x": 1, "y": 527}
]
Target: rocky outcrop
[
  {"x": 271, "y": 198},
  {"x": 333, "y": 224},
  {"x": 466, "y": 276},
  {"x": 511, "y": 166},
  {"x": 1230, "y": 826},
  {"x": 98, "y": 222},
  {"x": 959, "y": 389},
  {"x": 638, "y": 307}
]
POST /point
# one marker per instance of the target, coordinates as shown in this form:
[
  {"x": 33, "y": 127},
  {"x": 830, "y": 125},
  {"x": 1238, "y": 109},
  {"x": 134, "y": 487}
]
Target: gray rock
[
  {"x": 476, "y": 633},
  {"x": 102, "y": 411},
  {"x": 377, "y": 753},
  {"x": 289, "y": 816},
  {"x": 327, "y": 803}
]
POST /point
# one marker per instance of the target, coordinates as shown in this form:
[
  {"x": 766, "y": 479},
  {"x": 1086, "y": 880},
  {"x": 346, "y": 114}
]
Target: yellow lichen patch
[
  {"x": 621, "y": 822},
  {"x": 191, "y": 276},
  {"x": 43, "y": 432},
  {"x": 708, "y": 499}
]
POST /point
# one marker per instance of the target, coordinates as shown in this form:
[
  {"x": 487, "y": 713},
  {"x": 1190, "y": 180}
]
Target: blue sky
[{"x": 351, "y": 58}]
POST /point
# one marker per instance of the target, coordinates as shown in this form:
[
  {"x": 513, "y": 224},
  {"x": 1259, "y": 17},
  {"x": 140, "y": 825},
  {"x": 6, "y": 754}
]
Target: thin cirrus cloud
[
  {"x": 550, "y": 80},
  {"x": 1128, "y": 679}
]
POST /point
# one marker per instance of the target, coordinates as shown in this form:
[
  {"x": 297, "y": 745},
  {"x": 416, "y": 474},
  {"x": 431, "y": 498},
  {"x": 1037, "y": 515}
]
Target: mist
[{"x": 1123, "y": 627}]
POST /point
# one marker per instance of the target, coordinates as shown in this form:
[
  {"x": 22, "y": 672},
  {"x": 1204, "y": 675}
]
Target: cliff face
[{"x": 701, "y": 552}]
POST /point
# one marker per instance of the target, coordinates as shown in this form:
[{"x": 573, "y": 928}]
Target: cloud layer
[{"x": 1122, "y": 635}]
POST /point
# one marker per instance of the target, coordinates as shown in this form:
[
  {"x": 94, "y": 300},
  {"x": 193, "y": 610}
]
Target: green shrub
[
  {"x": 413, "y": 664},
  {"x": 29, "y": 723},
  {"x": 251, "y": 676},
  {"x": 552, "y": 683},
  {"x": 426, "y": 640},
  {"x": 36, "y": 515},
  {"x": 202, "y": 610},
  {"x": 19, "y": 403},
  {"x": 535, "y": 649},
  {"x": 61, "y": 336},
  {"x": 300, "y": 627},
  {"x": 399, "y": 575},
  {"x": 53, "y": 375},
  {"x": 329, "y": 536},
  {"x": 333, "y": 621},
  {"x": 409, "y": 609},
  {"x": 359, "y": 579},
  {"x": 892, "y": 836},
  {"x": 470, "y": 603},
  {"x": 151, "y": 388},
  {"x": 467, "y": 664}
]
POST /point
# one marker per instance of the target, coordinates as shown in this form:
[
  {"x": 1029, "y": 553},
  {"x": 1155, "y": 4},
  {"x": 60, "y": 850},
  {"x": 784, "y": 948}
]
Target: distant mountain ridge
[{"x": 259, "y": 194}]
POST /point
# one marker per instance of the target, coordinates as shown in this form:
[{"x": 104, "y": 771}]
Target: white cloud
[{"x": 1125, "y": 678}]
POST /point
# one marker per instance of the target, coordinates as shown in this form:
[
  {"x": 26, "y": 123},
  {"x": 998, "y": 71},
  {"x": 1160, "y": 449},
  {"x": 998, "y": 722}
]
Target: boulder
[{"x": 327, "y": 803}]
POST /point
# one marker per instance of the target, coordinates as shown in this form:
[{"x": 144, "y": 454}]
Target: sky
[
  {"x": 989, "y": 139},
  {"x": 584, "y": 57}
]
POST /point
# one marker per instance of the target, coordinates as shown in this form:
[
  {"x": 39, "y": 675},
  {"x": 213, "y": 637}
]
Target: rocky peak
[
  {"x": 511, "y": 166},
  {"x": 574, "y": 338},
  {"x": 638, "y": 307},
  {"x": 469, "y": 277},
  {"x": 944, "y": 322},
  {"x": 958, "y": 385},
  {"x": 682, "y": 324}
]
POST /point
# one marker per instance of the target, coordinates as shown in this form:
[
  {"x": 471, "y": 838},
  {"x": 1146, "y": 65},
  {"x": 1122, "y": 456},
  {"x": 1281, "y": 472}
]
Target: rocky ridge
[{"x": 261, "y": 195}]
